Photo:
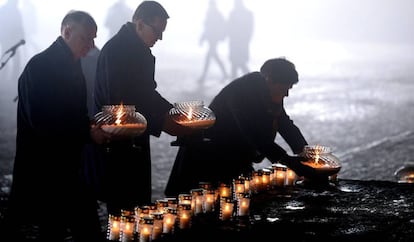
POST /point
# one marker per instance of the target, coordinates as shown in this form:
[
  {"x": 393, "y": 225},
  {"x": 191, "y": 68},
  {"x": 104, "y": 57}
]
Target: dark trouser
[{"x": 127, "y": 179}]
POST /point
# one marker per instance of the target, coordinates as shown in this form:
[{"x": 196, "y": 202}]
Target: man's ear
[
  {"x": 66, "y": 32},
  {"x": 139, "y": 24}
]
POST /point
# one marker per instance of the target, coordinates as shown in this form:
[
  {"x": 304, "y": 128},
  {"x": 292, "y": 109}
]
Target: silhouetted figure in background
[
  {"x": 11, "y": 32},
  {"x": 118, "y": 14},
  {"x": 214, "y": 32},
  {"x": 240, "y": 31}
]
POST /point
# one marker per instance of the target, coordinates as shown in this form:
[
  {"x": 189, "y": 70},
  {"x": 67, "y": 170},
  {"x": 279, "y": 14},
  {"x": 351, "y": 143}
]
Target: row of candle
[{"x": 150, "y": 222}]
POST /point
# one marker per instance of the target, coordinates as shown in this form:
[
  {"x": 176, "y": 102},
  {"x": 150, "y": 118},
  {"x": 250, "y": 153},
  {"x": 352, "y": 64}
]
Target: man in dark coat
[
  {"x": 249, "y": 112},
  {"x": 125, "y": 75},
  {"x": 48, "y": 191}
]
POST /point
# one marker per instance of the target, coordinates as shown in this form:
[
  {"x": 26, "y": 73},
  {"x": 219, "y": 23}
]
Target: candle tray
[
  {"x": 193, "y": 114},
  {"x": 121, "y": 120},
  {"x": 321, "y": 159}
]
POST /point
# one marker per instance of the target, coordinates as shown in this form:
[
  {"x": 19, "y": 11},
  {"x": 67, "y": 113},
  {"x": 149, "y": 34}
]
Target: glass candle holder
[
  {"x": 172, "y": 202},
  {"x": 405, "y": 173},
  {"x": 197, "y": 200},
  {"x": 114, "y": 227},
  {"x": 146, "y": 224},
  {"x": 127, "y": 226},
  {"x": 161, "y": 204},
  {"x": 224, "y": 190},
  {"x": 121, "y": 120},
  {"x": 238, "y": 186},
  {"x": 184, "y": 198},
  {"x": 243, "y": 204},
  {"x": 226, "y": 208},
  {"x": 193, "y": 114},
  {"x": 279, "y": 174},
  {"x": 170, "y": 215},
  {"x": 209, "y": 199},
  {"x": 184, "y": 216},
  {"x": 158, "y": 223},
  {"x": 266, "y": 179},
  {"x": 140, "y": 211},
  {"x": 246, "y": 179},
  {"x": 256, "y": 182},
  {"x": 290, "y": 177}
]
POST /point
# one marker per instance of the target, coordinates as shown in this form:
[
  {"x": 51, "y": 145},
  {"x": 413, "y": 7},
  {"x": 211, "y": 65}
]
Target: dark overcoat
[
  {"x": 244, "y": 132},
  {"x": 52, "y": 128},
  {"x": 125, "y": 74}
]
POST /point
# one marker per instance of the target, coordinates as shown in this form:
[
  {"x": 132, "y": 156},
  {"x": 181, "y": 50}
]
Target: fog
[{"x": 314, "y": 34}]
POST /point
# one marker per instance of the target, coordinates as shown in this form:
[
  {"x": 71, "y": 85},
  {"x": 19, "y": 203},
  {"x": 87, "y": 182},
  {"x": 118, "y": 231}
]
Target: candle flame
[
  {"x": 120, "y": 112},
  {"x": 190, "y": 114}
]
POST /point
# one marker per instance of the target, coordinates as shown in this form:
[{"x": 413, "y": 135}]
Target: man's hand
[
  {"x": 98, "y": 135},
  {"x": 294, "y": 163}
]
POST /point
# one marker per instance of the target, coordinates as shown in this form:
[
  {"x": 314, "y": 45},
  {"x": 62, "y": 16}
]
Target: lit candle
[
  {"x": 113, "y": 227},
  {"x": 265, "y": 179},
  {"x": 172, "y": 202},
  {"x": 280, "y": 174},
  {"x": 247, "y": 184},
  {"x": 184, "y": 198},
  {"x": 127, "y": 233},
  {"x": 243, "y": 204},
  {"x": 256, "y": 181},
  {"x": 238, "y": 186},
  {"x": 146, "y": 226},
  {"x": 290, "y": 177},
  {"x": 140, "y": 211},
  {"x": 208, "y": 200},
  {"x": 161, "y": 204},
  {"x": 169, "y": 220},
  {"x": 197, "y": 200},
  {"x": 224, "y": 190},
  {"x": 226, "y": 208},
  {"x": 158, "y": 223},
  {"x": 184, "y": 214}
]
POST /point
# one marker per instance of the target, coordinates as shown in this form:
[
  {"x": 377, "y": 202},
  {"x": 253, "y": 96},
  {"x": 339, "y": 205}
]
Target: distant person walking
[
  {"x": 214, "y": 33},
  {"x": 118, "y": 14},
  {"x": 240, "y": 31}
]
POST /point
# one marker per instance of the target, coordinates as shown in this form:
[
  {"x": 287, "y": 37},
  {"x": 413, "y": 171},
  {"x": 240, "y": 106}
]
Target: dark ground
[{"x": 366, "y": 119}]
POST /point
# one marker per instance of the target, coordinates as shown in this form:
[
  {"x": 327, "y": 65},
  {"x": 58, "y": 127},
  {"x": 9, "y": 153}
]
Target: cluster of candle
[{"x": 227, "y": 201}]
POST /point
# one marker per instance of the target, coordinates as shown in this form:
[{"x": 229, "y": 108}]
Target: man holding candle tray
[
  {"x": 125, "y": 75},
  {"x": 249, "y": 113},
  {"x": 49, "y": 195}
]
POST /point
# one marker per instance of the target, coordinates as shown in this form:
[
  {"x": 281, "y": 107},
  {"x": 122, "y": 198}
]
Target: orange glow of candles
[
  {"x": 113, "y": 227},
  {"x": 226, "y": 208},
  {"x": 243, "y": 204},
  {"x": 170, "y": 215},
  {"x": 209, "y": 200},
  {"x": 290, "y": 177},
  {"x": 184, "y": 215}
]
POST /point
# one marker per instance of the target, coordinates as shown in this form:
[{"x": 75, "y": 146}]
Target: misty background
[{"x": 354, "y": 60}]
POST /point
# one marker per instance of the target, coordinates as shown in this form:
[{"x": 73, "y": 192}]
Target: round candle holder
[
  {"x": 405, "y": 173},
  {"x": 193, "y": 114},
  {"x": 322, "y": 160},
  {"x": 121, "y": 120}
]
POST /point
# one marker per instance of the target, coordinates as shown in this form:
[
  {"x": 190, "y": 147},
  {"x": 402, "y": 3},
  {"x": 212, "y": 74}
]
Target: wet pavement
[
  {"x": 364, "y": 116},
  {"x": 348, "y": 210}
]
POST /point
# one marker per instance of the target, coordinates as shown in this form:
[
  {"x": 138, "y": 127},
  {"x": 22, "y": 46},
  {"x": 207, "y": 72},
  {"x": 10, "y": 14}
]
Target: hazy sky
[{"x": 302, "y": 30}]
